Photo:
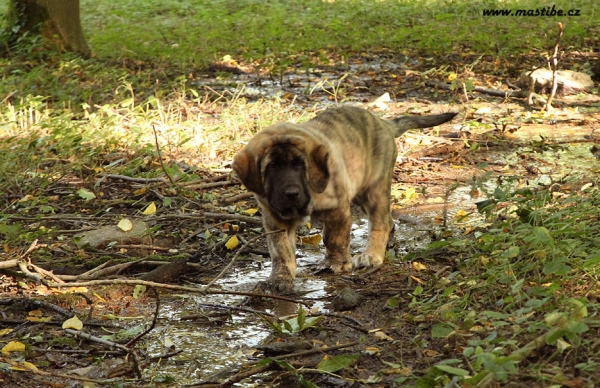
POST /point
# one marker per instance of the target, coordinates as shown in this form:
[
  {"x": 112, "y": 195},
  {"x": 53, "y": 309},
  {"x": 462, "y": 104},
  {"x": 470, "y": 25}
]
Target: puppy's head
[{"x": 285, "y": 165}]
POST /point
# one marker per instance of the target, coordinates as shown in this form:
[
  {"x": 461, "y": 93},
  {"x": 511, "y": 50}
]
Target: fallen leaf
[
  {"x": 416, "y": 279},
  {"x": 13, "y": 346},
  {"x": 461, "y": 215},
  {"x": 150, "y": 209},
  {"x": 250, "y": 212},
  {"x": 314, "y": 239},
  {"x": 73, "y": 323},
  {"x": 5, "y": 331},
  {"x": 232, "y": 242},
  {"x": 168, "y": 342},
  {"x": 418, "y": 266},
  {"x": 138, "y": 291},
  {"x": 140, "y": 191},
  {"x": 26, "y": 198},
  {"x": 86, "y": 194},
  {"x": 430, "y": 353},
  {"x": 380, "y": 335},
  {"x": 125, "y": 225}
]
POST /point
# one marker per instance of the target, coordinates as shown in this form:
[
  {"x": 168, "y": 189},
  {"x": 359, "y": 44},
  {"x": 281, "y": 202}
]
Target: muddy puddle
[{"x": 215, "y": 346}]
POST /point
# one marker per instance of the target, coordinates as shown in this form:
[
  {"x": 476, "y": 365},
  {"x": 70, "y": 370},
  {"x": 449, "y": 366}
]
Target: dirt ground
[{"x": 379, "y": 326}]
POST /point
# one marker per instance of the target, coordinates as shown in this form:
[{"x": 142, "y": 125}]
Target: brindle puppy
[{"x": 320, "y": 167}]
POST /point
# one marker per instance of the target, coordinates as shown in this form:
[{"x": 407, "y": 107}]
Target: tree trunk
[{"x": 56, "y": 20}]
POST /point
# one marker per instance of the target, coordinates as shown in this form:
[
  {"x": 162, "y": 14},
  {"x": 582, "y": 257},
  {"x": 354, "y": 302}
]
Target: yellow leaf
[
  {"x": 26, "y": 198},
  {"x": 419, "y": 266},
  {"x": 461, "y": 215},
  {"x": 125, "y": 225},
  {"x": 29, "y": 365},
  {"x": 250, "y": 212},
  {"x": 36, "y": 313},
  {"x": 99, "y": 297},
  {"x": 13, "y": 346},
  {"x": 73, "y": 323},
  {"x": 150, "y": 209},
  {"x": 380, "y": 335},
  {"x": 5, "y": 332},
  {"x": 416, "y": 279},
  {"x": 314, "y": 239},
  {"x": 430, "y": 353},
  {"x": 39, "y": 319},
  {"x": 140, "y": 191},
  {"x": 232, "y": 242}
]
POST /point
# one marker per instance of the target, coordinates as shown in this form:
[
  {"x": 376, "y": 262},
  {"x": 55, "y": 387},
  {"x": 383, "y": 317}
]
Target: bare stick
[
  {"x": 171, "y": 287},
  {"x": 60, "y": 375},
  {"x": 132, "y": 179},
  {"x": 238, "y": 197},
  {"x": 554, "y": 64},
  {"x": 236, "y": 256},
  {"x": 151, "y": 327},
  {"x": 9, "y": 263},
  {"x": 92, "y": 338},
  {"x": 224, "y": 307},
  {"x": 221, "y": 177},
  {"x": 201, "y": 186}
]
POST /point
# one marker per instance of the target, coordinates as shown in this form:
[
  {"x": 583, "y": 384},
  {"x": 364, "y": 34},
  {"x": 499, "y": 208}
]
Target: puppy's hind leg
[{"x": 377, "y": 207}]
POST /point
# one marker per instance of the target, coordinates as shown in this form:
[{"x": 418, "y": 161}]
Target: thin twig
[
  {"x": 554, "y": 64},
  {"x": 205, "y": 180},
  {"x": 224, "y": 307},
  {"x": 152, "y": 325},
  {"x": 133, "y": 179},
  {"x": 236, "y": 256},
  {"x": 160, "y": 157}
]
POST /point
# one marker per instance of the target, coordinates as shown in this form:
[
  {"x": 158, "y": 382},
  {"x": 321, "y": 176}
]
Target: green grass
[{"x": 191, "y": 33}]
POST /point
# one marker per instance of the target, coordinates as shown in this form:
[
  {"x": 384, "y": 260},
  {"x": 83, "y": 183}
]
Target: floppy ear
[
  {"x": 318, "y": 173},
  {"x": 247, "y": 167}
]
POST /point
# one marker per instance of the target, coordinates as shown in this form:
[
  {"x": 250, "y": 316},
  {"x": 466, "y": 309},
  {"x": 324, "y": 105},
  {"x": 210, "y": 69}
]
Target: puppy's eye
[{"x": 298, "y": 163}]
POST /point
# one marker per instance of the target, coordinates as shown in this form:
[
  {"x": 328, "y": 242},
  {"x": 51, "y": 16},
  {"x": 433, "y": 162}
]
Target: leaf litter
[{"x": 202, "y": 220}]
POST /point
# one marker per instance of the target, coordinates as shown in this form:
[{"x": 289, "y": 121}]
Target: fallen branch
[
  {"x": 238, "y": 197},
  {"x": 205, "y": 180},
  {"x": 133, "y": 282},
  {"x": 59, "y": 375},
  {"x": 201, "y": 186}
]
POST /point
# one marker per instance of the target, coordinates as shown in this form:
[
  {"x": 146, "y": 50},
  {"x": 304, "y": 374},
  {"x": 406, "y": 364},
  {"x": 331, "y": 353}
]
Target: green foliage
[
  {"x": 294, "y": 325},
  {"x": 527, "y": 264}
]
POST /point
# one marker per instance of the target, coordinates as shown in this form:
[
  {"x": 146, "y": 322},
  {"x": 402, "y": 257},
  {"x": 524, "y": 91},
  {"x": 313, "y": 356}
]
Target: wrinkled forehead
[{"x": 284, "y": 152}]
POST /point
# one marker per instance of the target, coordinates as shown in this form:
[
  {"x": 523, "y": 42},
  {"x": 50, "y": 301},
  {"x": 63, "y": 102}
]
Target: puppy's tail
[{"x": 404, "y": 123}]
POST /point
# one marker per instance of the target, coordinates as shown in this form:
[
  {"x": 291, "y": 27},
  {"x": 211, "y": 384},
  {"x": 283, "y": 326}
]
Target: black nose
[{"x": 291, "y": 192}]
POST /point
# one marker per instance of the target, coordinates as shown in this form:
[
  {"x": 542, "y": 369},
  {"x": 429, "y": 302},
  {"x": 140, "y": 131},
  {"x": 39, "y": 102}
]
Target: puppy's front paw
[
  {"x": 365, "y": 260},
  {"x": 337, "y": 266}
]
